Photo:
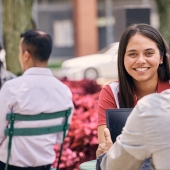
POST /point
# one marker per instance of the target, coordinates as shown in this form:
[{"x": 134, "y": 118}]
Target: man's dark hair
[{"x": 37, "y": 43}]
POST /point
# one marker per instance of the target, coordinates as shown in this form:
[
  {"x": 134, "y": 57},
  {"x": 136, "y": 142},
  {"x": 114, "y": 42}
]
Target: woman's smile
[{"x": 141, "y": 69}]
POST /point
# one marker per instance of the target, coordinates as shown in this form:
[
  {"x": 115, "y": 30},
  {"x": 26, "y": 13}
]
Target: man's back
[
  {"x": 145, "y": 135},
  {"x": 35, "y": 92}
]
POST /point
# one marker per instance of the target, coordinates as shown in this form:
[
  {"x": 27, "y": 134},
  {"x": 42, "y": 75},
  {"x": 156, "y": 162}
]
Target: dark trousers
[{"x": 11, "y": 167}]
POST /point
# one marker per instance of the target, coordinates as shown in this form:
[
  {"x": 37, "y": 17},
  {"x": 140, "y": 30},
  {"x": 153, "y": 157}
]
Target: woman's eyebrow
[
  {"x": 149, "y": 49},
  {"x": 130, "y": 51}
]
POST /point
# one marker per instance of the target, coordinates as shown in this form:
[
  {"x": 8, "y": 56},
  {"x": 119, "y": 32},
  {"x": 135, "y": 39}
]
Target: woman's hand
[{"x": 104, "y": 147}]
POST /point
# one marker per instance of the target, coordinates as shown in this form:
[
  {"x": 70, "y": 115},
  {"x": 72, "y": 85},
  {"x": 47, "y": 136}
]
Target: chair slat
[
  {"x": 11, "y": 131},
  {"x": 41, "y": 116},
  {"x": 36, "y": 131}
]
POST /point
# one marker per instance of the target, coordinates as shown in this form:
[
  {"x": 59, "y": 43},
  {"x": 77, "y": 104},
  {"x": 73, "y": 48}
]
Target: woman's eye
[
  {"x": 132, "y": 54},
  {"x": 149, "y": 54}
]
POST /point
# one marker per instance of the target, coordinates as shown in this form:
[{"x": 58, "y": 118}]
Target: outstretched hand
[{"x": 104, "y": 147}]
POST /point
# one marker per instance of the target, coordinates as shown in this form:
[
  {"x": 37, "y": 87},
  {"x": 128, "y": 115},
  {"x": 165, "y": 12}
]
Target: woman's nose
[{"x": 141, "y": 59}]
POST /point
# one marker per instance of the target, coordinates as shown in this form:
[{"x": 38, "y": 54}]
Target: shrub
[{"x": 81, "y": 142}]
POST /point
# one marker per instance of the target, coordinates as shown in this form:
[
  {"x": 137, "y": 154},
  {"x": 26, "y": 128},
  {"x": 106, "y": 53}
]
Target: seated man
[
  {"x": 4, "y": 74},
  {"x": 146, "y": 135},
  {"x": 36, "y": 91}
]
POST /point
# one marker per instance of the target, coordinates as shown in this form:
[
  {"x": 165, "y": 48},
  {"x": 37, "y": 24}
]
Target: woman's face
[{"x": 142, "y": 58}]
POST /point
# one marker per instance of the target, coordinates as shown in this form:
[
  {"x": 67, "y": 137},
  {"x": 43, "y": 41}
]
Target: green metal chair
[
  {"x": 11, "y": 131},
  {"x": 89, "y": 165}
]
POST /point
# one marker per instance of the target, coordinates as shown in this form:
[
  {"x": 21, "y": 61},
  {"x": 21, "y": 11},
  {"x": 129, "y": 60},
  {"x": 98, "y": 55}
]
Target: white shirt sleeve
[
  {"x": 146, "y": 135},
  {"x": 128, "y": 145},
  {"x": 133, "y": 136},
  {"x": 4, "y": 109}
]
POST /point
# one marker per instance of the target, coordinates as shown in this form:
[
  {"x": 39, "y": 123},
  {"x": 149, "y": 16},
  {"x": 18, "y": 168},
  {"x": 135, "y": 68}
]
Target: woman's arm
[
  {"x": 101, "y": 137},
  {"x": 106, "y": 100},
  {"x": 105, "y": 140}
]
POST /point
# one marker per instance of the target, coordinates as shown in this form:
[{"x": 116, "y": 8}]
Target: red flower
[{"x": 81, "y": 142}]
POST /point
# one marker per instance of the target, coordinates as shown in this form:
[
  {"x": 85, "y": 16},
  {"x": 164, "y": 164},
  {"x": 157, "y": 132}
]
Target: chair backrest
[{"x": 11, "y": 131}]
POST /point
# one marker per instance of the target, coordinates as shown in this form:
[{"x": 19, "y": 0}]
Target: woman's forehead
[{"x": 139, "y": 41}]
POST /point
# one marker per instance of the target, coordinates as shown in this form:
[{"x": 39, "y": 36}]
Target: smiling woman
[
  {"x": 142, "y": 69},
  {"x": 142, "y": 59}
]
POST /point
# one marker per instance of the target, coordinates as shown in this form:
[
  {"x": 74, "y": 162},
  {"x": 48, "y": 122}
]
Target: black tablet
[{"x": 116, "y": 119}]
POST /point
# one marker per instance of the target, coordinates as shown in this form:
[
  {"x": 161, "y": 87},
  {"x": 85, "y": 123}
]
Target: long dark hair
[{"x": 125, "y": 80}]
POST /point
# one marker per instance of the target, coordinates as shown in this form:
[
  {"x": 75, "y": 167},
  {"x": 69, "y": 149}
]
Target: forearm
[
  {"x": 3, "y": 125},
  {"x": 104, "y": 145}
]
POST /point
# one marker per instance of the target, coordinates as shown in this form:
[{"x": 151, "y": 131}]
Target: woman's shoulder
[
  {"x": 109, "y": 88},
  {"x": 111, "y": 85},
  {"x": 107, "y": 98},
  {"x": 114, "y": 86}
]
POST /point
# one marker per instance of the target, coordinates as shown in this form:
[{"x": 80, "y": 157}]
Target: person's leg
[
  {"x": 2, "y": 166},
  {"x": 47, "y": 167}
]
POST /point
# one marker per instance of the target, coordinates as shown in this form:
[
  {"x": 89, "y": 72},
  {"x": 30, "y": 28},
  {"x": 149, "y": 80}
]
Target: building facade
[{"x": 82, "y": 27}]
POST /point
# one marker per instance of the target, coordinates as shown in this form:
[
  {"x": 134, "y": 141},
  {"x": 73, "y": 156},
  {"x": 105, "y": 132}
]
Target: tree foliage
[
  {"x": 17, "y": 18},
  {"x": 164, "y": 15}
]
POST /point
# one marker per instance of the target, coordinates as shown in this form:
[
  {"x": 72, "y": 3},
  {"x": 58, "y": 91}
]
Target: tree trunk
[
  {"x": 17, "y": 18},
  {"x": 164, "y": 14}
]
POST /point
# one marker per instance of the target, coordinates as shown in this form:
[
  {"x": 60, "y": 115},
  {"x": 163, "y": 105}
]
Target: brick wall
[{"x": 85, "y": 27}]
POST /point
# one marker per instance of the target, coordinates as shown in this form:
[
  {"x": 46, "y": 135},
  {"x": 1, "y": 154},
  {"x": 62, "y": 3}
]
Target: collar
[{"x": 38, "y": 71}]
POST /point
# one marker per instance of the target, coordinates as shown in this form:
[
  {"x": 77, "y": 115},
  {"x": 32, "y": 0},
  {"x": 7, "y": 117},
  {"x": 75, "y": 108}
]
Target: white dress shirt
[
  {"x": 146, "y": 135},
  {"x": 36, "y": 91}
]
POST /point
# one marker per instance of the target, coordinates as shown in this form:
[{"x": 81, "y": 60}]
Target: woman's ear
[{"x": 161, "y": 60}]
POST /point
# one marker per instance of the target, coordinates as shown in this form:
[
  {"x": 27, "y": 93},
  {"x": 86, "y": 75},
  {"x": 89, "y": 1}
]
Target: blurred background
[
  {"x": 78, "y": 27},
  {"x": 85, "y": 37}
]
